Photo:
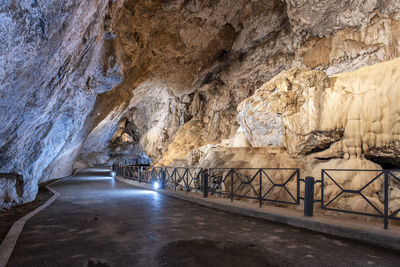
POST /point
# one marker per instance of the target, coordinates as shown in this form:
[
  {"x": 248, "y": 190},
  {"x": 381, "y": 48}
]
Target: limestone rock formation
[
  {"x": 321, "y": 18},
  {"x": 354, "y": 116},
  {"x": 286, "y": 111},
  {"x": 305, "y": 110},
  {"x": 366, "y": 40},
  {"x": 365, "y": 104},
  {"x": 51, "y": 69}
]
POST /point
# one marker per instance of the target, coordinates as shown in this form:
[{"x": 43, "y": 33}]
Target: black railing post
[
  {"x": 174, "y": 175},
  {"x": 187, "y": 180},
  {"x": 139, "y": 178},
  {"x": 204, "y": 176},
  {"x": 124, "y": 172},
  {"x": 298, "y": 186},
  {"x": 261, "y": 196},
  {"x": 162, "y": 179},
  {"x": 231, "y": 185},
  {"x": 322, "y": 188},
  {"x": 386, "y": 201},
  {"x": 201, "y": 180},
  {"x": 309, "y": 197}
]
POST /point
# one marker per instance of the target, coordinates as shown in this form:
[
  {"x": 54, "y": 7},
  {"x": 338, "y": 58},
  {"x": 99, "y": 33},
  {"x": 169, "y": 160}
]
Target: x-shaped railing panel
[
  {"x": 245, "y": 182},
  {"x": 218, "y": 180},
  {"x": 193, "y": 178},
  {"x": 293, "y": 176},
  {"x": 324, "y": 173},
  {"x": 170, "y": 177}
]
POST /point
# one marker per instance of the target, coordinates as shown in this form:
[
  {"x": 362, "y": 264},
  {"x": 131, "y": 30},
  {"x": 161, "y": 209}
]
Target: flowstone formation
[
  {"x": 306, "y": 111},
  {"x": 338, "y": 122}
]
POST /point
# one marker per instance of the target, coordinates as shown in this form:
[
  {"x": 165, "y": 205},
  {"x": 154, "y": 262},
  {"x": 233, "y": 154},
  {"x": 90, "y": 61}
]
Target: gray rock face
[
  {"x": 11, "y": 189},
  {"x": 321, "y": 18},
  {"x": 50, "y": 72}
]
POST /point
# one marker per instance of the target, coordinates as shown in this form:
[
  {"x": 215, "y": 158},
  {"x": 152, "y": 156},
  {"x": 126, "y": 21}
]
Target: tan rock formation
[
  {"x": 372, "y": 41},
  {"x": 365, "y": 104},
  {"x": 304, "y": 110},
  {"x": 286, "y": 111},
  {"x": 359, "y": 107}
]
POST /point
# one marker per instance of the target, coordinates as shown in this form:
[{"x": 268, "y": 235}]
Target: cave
[{"x": 186, "y": 83}]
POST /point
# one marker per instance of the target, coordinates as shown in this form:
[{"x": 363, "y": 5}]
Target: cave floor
[
  {"x": 8, "y": 217},
  {"x": 98, "y": 221}
]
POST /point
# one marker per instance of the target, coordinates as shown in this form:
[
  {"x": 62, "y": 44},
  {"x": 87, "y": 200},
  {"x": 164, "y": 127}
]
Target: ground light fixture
[{"x": 156, "y": 184}]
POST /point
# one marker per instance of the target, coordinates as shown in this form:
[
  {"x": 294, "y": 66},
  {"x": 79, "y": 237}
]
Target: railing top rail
[
  {"x": 199, "y": 168},
  {"x": 352, "y": 170},
  {"x": 287, "y": 169},
  {"x": 171, "y": 167}
]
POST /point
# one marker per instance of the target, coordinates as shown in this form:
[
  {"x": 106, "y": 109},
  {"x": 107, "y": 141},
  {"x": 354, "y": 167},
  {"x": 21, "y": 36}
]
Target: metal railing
[
  {"x": 189, "y": 179},
  {"x": 279, "y": 185},
  {"x": 149, "y": 174},
  {"x": 333, "y": 192},
  {"x": 282, "y": 186}
]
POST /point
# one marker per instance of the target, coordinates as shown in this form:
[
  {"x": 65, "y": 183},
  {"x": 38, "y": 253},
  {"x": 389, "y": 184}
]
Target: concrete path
[{"x": 98, "y": 221}]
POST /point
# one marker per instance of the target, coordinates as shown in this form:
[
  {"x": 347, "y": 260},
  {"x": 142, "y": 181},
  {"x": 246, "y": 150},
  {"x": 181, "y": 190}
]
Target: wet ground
[{"x": 98, "y": 221}]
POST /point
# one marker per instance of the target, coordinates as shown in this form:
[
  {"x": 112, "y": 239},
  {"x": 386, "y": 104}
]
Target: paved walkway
[{"x": 98, "y": 221}]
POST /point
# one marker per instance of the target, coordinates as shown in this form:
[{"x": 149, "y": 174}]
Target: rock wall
[
  {"x": 214, "y": 54},
  {"x": 307, "y": 111},
  {"x": 51, "y": 70},
  {"x": 366, "y": 39}
]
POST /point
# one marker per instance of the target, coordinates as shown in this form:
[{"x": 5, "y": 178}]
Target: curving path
[{"x": 98, "y": 221}]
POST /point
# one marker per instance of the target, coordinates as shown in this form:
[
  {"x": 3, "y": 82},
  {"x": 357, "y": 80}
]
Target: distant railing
[
  {"x": 279, "y": 185},
  {"x": 282, "y": 186},
  {"x": 188, "y": 179}
]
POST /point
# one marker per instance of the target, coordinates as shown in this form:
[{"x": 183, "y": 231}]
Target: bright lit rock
[
  {"x": 286, "y": 111},
  {"x": 306, "y": 110},
  {"x": 365, "y": 104}
]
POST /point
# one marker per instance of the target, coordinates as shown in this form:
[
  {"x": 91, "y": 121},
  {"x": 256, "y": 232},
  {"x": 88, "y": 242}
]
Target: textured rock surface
[
  {"x": 286, "y": 111},
  {"x": 173, "y": 50},
  {"x": 324, "y": 17},
  {"x": 50, "y": 71},
  {"x": 353, "y": 114},
  {"x": 365, "y": 104},
  {"x": 305, "y": 110}
]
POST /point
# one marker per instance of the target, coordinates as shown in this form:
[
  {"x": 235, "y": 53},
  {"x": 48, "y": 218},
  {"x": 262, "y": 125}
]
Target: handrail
[{"x": 278, "y": 185}]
